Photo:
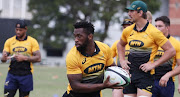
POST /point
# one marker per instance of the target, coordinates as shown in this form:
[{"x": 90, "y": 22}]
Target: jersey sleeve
[
  {"x": 114, "y": 49},
  {"x": 7, "y": 46},
  {"x": 178, "y": 51},
  {"x": 124, "y": 35},
  {"x": 35, "y": 45},
  {"x": 72, "y": 65},
  {"x": 110, "y": 59},
  {"x": 159, "y": 38}
]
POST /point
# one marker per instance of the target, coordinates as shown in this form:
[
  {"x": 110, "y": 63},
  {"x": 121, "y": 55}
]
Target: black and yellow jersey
[
  {"x": 26, "y": 47},
  {"x": 143, "y": 45},
  {"x": 170, "y": 64},
  {"x": 115, "y": 52},
  {"x": 91, "y": 67}
]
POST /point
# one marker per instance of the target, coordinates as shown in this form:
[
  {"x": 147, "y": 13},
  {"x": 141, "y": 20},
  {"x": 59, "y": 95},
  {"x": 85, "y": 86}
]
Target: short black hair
[
  {"x": 21, "y": 24},
  {"x": 164, "y": 19},
  {"x": 86, "y": 25}
]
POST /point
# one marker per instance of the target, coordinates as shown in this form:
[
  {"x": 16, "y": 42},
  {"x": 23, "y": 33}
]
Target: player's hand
[
  {"x": 124, "y": 65},
  {"x": 19, "y": 57},
  {"x": 108, "y": 84},
  {"x": 164, "y": 79},
  {"x": 147, "y": 67},
  {"x": 179, "y": 88}
]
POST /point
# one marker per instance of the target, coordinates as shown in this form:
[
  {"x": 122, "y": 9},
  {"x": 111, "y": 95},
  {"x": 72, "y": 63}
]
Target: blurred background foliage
[{"x": 53, "y": 20}]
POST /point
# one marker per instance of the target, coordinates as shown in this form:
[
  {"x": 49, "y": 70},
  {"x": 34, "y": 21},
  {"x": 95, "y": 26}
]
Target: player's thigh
[
  {"x": 11, "y": 83},
  {"x": 143, "y": 93},
  {"x": 26, "y": 83},
  {"x": 117, "y": 93},
  {"x": 129, "y": 95}
]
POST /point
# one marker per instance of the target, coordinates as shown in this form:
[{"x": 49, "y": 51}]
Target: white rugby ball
[{"x": 117, "y": 74}]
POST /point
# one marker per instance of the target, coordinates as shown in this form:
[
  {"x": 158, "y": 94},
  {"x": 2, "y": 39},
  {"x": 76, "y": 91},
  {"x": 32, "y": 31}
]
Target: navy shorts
[
  {"x": 159, "y": 91},
  {"x": 23, "y": 83}
]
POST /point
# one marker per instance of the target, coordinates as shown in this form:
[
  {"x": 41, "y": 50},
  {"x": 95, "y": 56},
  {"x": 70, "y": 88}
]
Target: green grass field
[{"x": 49, "y": 81}]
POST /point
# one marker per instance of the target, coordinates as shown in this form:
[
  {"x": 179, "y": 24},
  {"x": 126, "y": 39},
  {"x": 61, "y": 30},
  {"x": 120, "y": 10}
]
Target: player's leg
[
  {"x": 23, "y": 94},
  {"x": 25, "y": 85},
  {"x": 156, "y": 89},
  {"x": 167, "y": 91},
  {"x": 9, "y": 93},
  {"x": 10, "y": 86},
  {"x": 144, "y": 86},
  {"x": 143, "y": 93},
  {"x": 130, "y": 90},
  {"x": 117, "y": 93}
]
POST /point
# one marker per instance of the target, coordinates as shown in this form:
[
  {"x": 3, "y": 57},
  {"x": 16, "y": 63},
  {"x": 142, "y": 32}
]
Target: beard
[{"x": 83, "y": 47}]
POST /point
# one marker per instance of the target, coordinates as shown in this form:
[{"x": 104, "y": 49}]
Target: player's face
[
  {"x": 133, "y": 14},
  {"x": 81, "y": 39},
  {"x": 161, "y": 26},
  {"x": 20, "y": 32}
]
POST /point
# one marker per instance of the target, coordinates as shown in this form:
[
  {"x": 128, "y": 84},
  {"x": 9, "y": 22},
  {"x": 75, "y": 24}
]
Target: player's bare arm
[
  {"x": 163, "y": 81},
  {"x": 4, "y": 56},
  {"x": 77, "y": 86},
  {"x": 35, "y": 58},
  {"x": 121, "y": 50},
  {"x": 169, "y": 52},
  {"x": 179, "y": 83}
]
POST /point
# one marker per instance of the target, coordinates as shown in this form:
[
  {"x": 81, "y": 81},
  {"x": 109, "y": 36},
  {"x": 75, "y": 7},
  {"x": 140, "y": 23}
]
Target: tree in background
[{"x": 53, "y": 20}]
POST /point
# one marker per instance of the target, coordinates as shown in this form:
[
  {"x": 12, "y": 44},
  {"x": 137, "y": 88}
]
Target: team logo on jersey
[
  {"x": 136, "y": 43},
  {"x": 94, "y": 68},
  {"x": 159, "y": 53},
  {"x": 149, "y": 88},
  {"x": 19, "y": 49},
  {"x": 84, "y": 61}
]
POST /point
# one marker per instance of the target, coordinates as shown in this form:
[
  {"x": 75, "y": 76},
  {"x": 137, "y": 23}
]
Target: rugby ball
[{"x": 117, "y": 74}]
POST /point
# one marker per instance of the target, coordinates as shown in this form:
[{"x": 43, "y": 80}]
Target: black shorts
[{"x": 139, "y": 80}]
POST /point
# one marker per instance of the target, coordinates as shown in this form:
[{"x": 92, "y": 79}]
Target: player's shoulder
[
  {"x": 101, "y": 45},
  {"x": 11, "y": 38},
  {"x": 31, "y": 38},
  {"x": 175, "y": 43},
  {"x": 73, "y": 53},
  {"x": 115, "y": 43},
  {"x": 129, "y": 28},
  {"x": 152, "y": 29}
]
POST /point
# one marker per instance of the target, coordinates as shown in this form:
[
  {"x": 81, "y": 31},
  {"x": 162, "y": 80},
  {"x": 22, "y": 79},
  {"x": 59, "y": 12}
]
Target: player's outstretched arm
[{"x": 77, "y": 86}]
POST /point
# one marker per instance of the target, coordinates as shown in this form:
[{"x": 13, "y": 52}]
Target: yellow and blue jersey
[
  {"x": 91, "y": 67},
  {"x": 26, "y": 48},
  {"x": 143, "y": 44},
  {"x": 115, "y": 52},
  {"x": 171, "y": 63}
]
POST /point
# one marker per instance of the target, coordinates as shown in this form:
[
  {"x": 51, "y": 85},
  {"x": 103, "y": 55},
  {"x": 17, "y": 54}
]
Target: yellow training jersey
[
  {"x": 91, "y": 67},
  {"x": 170, "y": 64},
  {"x": 143, "y": 44},
  {"x": 115, "y": 52},
  {"x": 25, "y": 47}
]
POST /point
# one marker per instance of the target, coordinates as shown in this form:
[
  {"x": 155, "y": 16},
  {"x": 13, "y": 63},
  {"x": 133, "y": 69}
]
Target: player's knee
[
  {"x": 9, "y": 93},
  {"x": 24, "y": 94},
  {"x": 127, "y": 96}
]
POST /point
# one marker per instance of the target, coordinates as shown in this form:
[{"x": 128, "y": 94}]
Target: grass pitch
[{"x": 49, "y": 82}]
